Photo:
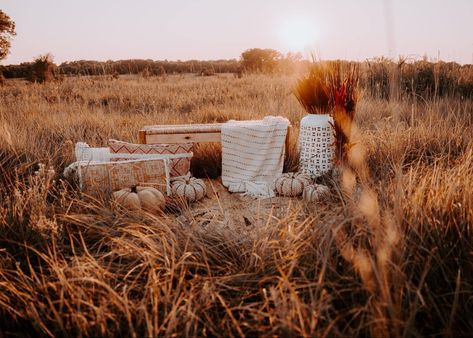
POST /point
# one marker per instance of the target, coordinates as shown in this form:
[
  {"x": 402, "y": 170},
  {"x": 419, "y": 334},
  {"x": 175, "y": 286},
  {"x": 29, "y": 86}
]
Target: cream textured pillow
[
  {"x": 178, "y": 166},
  {"x": 84, "y": 152}
]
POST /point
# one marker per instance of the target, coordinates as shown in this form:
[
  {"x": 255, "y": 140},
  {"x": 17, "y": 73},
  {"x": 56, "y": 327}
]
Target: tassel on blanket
[{"x": 259, "y": 190}]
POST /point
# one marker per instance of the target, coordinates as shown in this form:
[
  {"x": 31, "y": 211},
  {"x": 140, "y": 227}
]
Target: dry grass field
[{"x": 388, "y": 253}]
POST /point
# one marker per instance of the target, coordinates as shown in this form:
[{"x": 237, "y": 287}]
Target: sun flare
[{"x": 298, "y": 34}]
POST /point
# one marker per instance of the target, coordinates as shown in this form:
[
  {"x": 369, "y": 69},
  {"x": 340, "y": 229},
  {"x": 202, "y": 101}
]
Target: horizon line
[{"x": 408, "y": 59}]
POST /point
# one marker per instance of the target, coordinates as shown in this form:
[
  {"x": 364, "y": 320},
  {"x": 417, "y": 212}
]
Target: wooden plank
[
  {"x": 183, "y": 128},
  {"x": 183, "y": 138}
]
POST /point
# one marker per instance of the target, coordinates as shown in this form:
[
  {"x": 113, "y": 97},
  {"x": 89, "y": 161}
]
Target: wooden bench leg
[{"x": 142, "y": 137}]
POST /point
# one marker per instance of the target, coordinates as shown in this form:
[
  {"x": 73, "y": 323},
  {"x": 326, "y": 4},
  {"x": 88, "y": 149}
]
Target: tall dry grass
[{"x": 388, "y": 253}]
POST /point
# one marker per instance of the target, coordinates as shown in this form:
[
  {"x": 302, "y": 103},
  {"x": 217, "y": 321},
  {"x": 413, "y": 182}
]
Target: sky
[{"x": 223, "y": 29}]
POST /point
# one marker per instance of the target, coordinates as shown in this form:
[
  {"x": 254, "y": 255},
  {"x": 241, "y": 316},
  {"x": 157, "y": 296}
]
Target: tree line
[{"x": 252, "y": 60}]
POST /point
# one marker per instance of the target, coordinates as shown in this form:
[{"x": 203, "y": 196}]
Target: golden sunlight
[{"x": 298, "y": 34}]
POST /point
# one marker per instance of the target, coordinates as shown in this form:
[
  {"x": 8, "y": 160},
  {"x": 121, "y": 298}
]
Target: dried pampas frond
[
  {"x": 313, "y": 90},
  {"x": 343, "y": 90}
]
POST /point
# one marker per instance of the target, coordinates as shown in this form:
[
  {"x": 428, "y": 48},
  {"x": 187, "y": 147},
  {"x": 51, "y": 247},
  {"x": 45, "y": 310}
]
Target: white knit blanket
[{"x": 253, "y": 155}]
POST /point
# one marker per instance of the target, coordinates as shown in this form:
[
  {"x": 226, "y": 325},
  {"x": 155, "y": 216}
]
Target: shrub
[
  {"x": 260, "y": 60},
  {"x": 209, "y": 71},
  {"x": 43, "y": 69},
  {"x": 238, "y": 73},
  {"x": 145, "y": 73},
  {"x": 161, "y": 71}
]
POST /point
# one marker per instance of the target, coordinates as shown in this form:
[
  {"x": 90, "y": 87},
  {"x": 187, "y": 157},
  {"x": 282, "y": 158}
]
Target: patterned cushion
[
  {"x": 106, "y": 177},
  {"x": 178, "y": 166}
]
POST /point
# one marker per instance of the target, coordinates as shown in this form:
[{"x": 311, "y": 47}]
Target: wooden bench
[
  {"x": 180, "y": 133},
  {"x": 183, "y": 133}
]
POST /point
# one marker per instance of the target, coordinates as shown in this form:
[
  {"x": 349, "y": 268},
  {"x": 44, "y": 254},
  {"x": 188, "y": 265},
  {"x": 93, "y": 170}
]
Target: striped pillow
[{"x": 178, "y": 166}]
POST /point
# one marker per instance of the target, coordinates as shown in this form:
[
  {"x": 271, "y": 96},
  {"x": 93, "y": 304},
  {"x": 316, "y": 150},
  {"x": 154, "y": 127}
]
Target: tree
[
  {"x": 260, "y": 60},
  {"x": 7, "y": 31}
]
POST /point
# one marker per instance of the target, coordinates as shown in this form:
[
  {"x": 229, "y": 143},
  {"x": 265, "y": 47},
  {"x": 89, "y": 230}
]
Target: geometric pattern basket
[{"x": 316, "y": 142}]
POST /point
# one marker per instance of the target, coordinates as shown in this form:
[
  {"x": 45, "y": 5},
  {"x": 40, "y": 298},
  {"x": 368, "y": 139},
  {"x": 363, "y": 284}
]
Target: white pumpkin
[
  {"x": 190, "y": 188},
  {"x": 315, "y": 192},
  {"x": 140, "y": 198},
  {"x": 292, "y": 184}
]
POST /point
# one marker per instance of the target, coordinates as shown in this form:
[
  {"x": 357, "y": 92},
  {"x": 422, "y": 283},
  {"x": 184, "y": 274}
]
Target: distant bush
[
  {"x": 238, "y": 73},
  {"x": 43, "y": 69},
  {"x": 145, "y": 73},
  {"x": 161, "y": 71},
  {"x": 209, "y": 71},
  {"x": 260, "y": 60}
]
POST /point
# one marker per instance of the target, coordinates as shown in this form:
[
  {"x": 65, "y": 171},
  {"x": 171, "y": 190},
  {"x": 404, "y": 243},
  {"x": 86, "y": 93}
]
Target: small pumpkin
[
  {"x": 314, "y": 192},
  {"x": 190, "y": 188},
  {"x": 292, "y": 184},
  {"x": 140, "y": 198}
]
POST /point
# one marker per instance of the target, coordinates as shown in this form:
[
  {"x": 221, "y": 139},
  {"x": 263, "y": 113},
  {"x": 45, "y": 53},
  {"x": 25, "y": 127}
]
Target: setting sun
[{"x": 298, "y": 34}]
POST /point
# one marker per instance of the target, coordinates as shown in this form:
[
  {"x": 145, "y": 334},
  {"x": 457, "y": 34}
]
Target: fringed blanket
[{"x": 253, "y": 155}]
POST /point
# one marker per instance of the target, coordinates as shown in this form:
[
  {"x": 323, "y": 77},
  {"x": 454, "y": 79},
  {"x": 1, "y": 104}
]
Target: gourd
[
  {"x": 140, "y": 198},
  {"x": 314, "y": 192},
  {"x": 189, "y": 188},
  {"x": 291, "y": 184}
]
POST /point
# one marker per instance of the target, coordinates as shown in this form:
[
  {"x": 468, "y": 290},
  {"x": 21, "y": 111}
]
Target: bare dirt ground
[{"x": 234, "y": 211}]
